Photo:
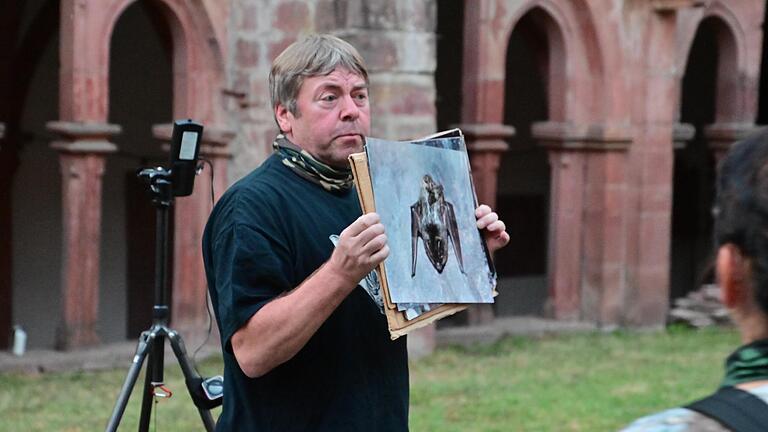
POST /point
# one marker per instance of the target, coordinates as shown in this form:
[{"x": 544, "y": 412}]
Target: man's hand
[
  {"x": 493, "y": 228},
  {"x": 362, "y": 246}
]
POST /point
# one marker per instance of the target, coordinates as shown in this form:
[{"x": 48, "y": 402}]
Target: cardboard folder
[{"x": 396, "y": 320}]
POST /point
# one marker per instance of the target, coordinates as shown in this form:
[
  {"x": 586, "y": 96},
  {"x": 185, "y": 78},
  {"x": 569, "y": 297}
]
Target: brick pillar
[
  {"x": 82, "y": 152},
  {"x": 587, "y": 219},
  {"x": 565, "y": 220},
  {"x": 188, "y": 312},
  {"x": 485, "y": 143},
  {"x": 721, "y": 136}
]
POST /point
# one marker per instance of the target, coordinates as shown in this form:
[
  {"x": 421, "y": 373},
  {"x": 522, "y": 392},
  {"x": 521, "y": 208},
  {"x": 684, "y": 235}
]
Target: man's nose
[{"x": 349, "y": 109}]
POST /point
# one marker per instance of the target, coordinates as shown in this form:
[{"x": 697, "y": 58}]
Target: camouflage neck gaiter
[
  {"x": 305, "y": 165},
  {"x": 748, "y": 363}
]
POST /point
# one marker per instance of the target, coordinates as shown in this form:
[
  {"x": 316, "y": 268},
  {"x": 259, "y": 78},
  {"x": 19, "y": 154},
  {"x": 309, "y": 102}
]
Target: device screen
[{"x": 188, "y": 145}]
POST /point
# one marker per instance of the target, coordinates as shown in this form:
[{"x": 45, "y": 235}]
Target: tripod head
[{"x": 159, "y": 181}]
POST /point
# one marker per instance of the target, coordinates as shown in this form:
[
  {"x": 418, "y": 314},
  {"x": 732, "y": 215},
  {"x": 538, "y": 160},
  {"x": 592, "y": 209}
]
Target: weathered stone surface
[
  {"x": 406, "y": 15},
  {"x": 291, "y": 16},
  {"x": 247, "y": 52},
  {"x": 330, "y": 14},
  {"x": 389, "y": 51}
]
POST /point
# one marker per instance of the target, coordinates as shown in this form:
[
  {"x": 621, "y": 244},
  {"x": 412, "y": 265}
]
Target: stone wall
[{"x": 396, "y": 38}]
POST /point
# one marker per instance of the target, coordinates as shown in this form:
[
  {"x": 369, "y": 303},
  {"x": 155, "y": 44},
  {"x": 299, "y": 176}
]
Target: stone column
[
  {"x": 82, "y": 152},
  {"x": 188, "y": 312},
  {"x": 651, "y": 167},
  {"x": 565, "y": 220},
  {"x": 485, "y": 143},
  {"x": 721, "y": 136},
  {"x": 587, "y": 217}
]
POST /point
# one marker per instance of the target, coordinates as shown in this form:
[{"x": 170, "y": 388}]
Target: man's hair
[
  {"x": 314, "y": 55},
  {"x": 741, "y": 207}
]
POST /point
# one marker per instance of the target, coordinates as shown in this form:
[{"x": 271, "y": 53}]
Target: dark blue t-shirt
[{"x": 266, "y": 235}]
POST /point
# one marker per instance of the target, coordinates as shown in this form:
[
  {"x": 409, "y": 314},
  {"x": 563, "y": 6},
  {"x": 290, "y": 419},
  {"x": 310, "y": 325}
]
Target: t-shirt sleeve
[{"x": 252, "y": 266}]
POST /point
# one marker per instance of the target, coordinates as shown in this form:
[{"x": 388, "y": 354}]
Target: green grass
[
  {"x": 571, "y": 383},
  {"x": 595, "y": 382},
  {"x": 83, "y": 401}
]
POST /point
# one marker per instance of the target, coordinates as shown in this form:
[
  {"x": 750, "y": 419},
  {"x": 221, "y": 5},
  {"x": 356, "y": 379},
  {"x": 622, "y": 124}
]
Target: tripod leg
[
  {"x": 130, "y": 380},
  {"x": 177, "y": 343},
  {"x": 154, "y": 370},
  {"x": 146, "y": 397}
]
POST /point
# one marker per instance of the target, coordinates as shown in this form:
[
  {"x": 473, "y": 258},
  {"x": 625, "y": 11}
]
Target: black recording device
[{"x": 185, "y": 146}]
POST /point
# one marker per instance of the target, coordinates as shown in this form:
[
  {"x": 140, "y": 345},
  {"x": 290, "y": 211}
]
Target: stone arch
[
  {"x": 693, "y": 162},
  {"x": 532, "y": 93},
  {"x": 552, "y": 60},
  {"x": 731, "y": 98},
  {"x": 575, "y": 61},
  {"x": 576, "y": 95},
  {"x": 197, "y": 58},
  {"x": 714, "y": 99}
]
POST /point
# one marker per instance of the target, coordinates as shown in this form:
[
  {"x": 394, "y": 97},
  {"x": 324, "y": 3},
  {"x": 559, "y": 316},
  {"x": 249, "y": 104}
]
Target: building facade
[{"x": 593, "y": 127}]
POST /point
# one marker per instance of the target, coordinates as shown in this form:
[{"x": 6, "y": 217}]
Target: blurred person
[
  {"x": 303, "y": 349},
  {"x": 741, "y": 266}
]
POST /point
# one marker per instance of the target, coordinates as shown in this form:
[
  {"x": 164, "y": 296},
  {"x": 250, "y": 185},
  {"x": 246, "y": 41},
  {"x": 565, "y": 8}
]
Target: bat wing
[
  {"x": 415, "y": 234},
  {"x": 453, "y": 233}
]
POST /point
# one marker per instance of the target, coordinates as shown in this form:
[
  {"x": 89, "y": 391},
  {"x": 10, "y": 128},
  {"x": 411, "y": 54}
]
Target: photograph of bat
[
  {"x": 424, "y": 195},
  {"x": 434, "y": 221}
]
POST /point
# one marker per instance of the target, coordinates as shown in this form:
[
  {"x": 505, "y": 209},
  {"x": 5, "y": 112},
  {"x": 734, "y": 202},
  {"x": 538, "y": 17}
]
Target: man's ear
[
  {"x": 732, "y": 275},
  {"x": 284, "y": 119}
]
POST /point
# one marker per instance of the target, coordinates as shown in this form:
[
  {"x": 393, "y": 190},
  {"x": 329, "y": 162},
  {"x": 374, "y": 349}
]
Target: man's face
[{"x": 332, "y": 116}]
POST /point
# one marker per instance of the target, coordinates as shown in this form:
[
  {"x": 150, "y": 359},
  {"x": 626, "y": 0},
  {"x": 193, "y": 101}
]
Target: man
[
  {"x": 741, "y": 224},
  {"x": 303, "y": 348}
]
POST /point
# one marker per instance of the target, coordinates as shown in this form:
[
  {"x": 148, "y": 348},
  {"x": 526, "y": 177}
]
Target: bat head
[{"x": 431, "y": 189}]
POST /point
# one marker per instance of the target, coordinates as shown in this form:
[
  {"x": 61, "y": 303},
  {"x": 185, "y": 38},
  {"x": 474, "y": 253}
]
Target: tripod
[{"x": 152, "y": 341}]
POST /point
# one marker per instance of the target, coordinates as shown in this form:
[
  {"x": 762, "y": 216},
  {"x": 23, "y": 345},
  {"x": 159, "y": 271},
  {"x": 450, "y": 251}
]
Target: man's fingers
[
  {"x": 487, "y": 220},
  {"x": 503, "y": 237},
  {"x": 361, "y": 224},
  {"x": 482, "y": 210},
  {"x": 498, "y": 241},
  {"x": 496, "y": 227},
  {"x": 375, "y": 244},
  {"x": 380, "y": 255},
  {"x": 369, "y": 234},
  {"x": 495, "y": 231}
]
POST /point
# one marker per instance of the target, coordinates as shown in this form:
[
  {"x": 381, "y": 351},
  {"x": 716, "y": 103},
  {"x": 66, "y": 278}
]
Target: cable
[
  {"x": 200, "y": 168},
  {"x": 207, "y": 300},
  {"x": 207, "y": 335}
]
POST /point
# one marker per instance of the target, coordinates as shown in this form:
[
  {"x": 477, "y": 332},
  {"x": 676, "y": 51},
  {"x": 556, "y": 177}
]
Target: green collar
[{"x": 748, "y": 363}]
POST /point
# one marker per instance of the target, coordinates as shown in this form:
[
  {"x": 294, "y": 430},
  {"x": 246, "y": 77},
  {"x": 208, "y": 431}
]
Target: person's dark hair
[{"x": 741, "y": 207}]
